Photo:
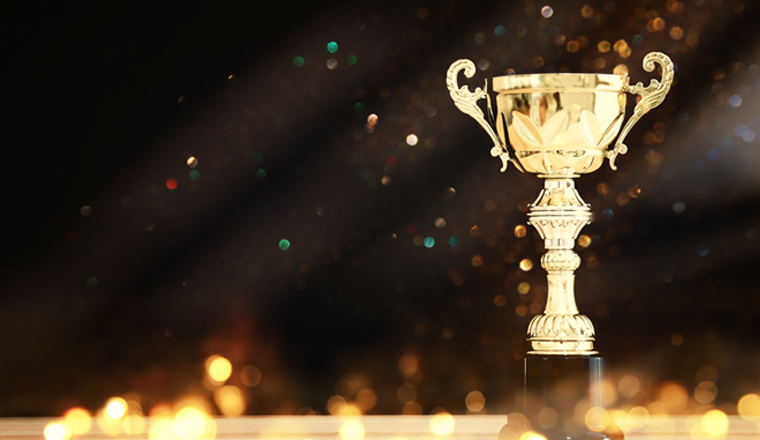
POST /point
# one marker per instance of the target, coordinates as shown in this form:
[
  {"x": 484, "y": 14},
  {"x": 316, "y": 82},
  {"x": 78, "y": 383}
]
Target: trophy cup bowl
[{"x": 559, "y": 126}]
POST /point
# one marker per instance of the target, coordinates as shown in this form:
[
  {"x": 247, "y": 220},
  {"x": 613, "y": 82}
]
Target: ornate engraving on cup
[{"x": 559, "y": 126}]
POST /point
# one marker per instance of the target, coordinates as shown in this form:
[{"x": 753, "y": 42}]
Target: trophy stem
[{"x": 559, "y": 214}]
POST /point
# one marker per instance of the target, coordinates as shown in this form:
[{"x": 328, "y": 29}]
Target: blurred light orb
[
  {"x": 298, "y": 61},
  {"x": 192, "y": 162},
  {"x": 116, "y": 407},
  {"x": 133, "y": 424},
  {"x": 284, "y": 244},
  {"x": 86, "y": 211},
  {"x": 638, "y": 417},
  {"x": 454, "y": 241},
  {"x": 526, "y": 264},
  {"x": 584, "y": 241},
  {"x": 230, "y": 400},
  {"x": 372, "y": 119},
  {"x": 79, "y": 420},
  {"x": 442, "y": 423},
  {"x": 412, "y": 140},
  {"x": 530, "y": 435},
  {"x": 171, "y": 184},
  {"x": 520, "y": 231},
  {"x": 500, "y": 31},
  {"x": 218, "y": 368},
  {"x": 440, "y": 222},
  {"x": 332, "y": 47},
  {"x": 251, "y": 376},
  {"x": 705, "y": 392},
  {"x": 57, "y": 431},
  {"x": 190, "y": 423},
  {"x": 629, "y": 386},
  {"x": 715, "y": 422},
  {"x": 352, "y": 430},
  {"x": 547, "y": 11},
  {"x": 547, "y": 417},
  {"x": 429, "y": 242},
  {"x": 332, "y": 64},
  {"x": 749, "y": 407},
  {"x": 475, "y": 401},
  {"x": 597, "y": 418}
]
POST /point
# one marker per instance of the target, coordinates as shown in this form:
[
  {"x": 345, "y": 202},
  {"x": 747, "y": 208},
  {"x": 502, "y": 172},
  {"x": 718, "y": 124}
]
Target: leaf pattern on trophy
[
  {"x": 557, "y": 124},
  {"x": 611, "y": 132},
  {"x": 590, "y": 128},
  {"x": 526, "y": 131}
]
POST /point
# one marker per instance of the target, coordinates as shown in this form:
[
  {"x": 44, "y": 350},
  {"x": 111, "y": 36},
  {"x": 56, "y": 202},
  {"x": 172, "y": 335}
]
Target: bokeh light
[
  {"x": 218, "y": 369},
  {"x": 442, "y": 423}
]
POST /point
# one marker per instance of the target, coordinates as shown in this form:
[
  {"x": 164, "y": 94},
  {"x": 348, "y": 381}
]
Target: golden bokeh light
[
  {"x": 57, "y": 431},
  {"x": 133, "y": 424},
  {"x": 230, "y": 400},
  {"x": 442, "y": 423},
  {"x": 79, "y": 420},
  {"x": 352, "y": 430},
  {"x": 597, "y": 418},
  {"x": 115, "y": 408},
  {"x": 715, "y": 422},
  {"x": 629, "y": 386},
  {"x": 366, "y": 399},
  {"x": 350, "y": 410},
  {"x": 705, "y": 392},
  {"x": 251, "y": 376},
  {"x": 674, "y": 396},
  {"x": 408, "y": 364},
  {"x": 749, "y": 407},
  {"x": 475, "y": 401},
  {"x": 162, "y": 429},
  {"x": 530, "y": 435},
  {"x": 638, "y": 417},
  {"x": 335, "y": 404},
  {"x": 547, "y": 417},
  {"x": 218, "y": 368},
  {"x": 190, "y": 423}
]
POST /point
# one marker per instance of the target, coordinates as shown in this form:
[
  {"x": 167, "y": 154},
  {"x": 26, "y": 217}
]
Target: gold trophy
[{"x": 560, "y": 126}]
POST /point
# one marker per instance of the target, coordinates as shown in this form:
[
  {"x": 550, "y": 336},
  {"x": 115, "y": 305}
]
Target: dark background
[{"x": 105, "y": 104}]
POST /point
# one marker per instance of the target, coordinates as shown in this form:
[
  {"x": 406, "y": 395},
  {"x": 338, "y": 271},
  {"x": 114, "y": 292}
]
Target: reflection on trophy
[{"x": 560, "y": 126}]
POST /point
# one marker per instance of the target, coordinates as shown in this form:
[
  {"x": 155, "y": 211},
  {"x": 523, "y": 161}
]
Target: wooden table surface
[{"x": 473, "y": 427}]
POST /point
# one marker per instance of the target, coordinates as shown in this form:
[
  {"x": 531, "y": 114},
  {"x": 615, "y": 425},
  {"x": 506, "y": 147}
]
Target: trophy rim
[{"x": 549, "y": 82}]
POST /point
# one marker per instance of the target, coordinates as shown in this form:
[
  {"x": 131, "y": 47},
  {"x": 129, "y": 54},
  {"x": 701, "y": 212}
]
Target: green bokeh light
[
  {"x": 298, "y": 61},
  {"x": 92, "y": 282},
  {"x": 332, "y": 47},
  {"x": 351, "y": 60},
  {"x": 195, "y": 175},
  {"x": 260, "y": 174},
  {"x": 284, "y": 244}
]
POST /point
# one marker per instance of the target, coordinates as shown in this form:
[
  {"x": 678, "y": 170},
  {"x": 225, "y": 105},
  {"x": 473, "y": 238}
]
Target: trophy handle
[
  {"x": 467, "y": 103},
  {"x": 651, "y": 96}
]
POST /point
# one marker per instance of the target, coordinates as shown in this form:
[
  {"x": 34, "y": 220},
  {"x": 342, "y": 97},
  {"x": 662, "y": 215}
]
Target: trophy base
[{"x": 564, "y": 398}]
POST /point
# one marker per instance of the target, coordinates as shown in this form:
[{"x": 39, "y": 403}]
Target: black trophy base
[{"x": 560, "y": 394}]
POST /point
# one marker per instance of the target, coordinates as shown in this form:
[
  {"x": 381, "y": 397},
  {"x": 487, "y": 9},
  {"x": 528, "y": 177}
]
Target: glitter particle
[
  {"x": 526, "y": 264},
  {"x": 429, "y": 242},
  {"x": 332, "y": 47},
  {"x": 523, "y": 288},
  {"x": 477, "y": 261},
  {"x": 547, "y": 11},
  {"x": 411, "y": 140},
  {"x": 584, "y": 241},
  {"x": 332, "y": 64},
  {"x": 520, "y": 231},
  {"x": 192, "y": 162}
]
